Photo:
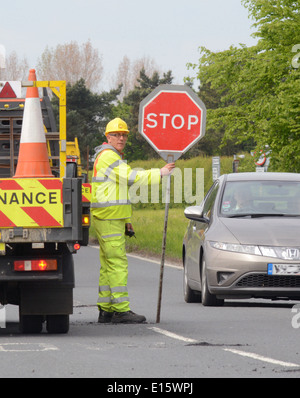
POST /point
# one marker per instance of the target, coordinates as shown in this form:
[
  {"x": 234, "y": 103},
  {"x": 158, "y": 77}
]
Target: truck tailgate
[{"x": 31, "y": 203}]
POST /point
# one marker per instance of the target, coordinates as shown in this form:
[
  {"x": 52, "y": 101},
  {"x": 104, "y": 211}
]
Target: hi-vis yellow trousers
[{"x": 113, "y": 293}]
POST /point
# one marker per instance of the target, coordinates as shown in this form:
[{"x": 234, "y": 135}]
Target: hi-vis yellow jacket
[{"x": 112, "y": 178}]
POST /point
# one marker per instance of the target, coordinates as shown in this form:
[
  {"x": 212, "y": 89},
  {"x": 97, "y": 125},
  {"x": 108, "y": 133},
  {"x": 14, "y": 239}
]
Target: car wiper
[
  {"x": 239, "y": 215},
  {"x": 257, "y": 215}
]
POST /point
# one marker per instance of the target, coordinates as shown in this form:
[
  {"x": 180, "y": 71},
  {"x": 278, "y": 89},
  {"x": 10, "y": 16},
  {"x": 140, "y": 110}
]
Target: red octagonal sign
[{"x": 172, "y": 119}]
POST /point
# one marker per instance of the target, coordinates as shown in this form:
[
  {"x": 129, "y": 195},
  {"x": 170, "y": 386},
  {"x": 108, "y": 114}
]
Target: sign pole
[{"x": 162, "y": 264}]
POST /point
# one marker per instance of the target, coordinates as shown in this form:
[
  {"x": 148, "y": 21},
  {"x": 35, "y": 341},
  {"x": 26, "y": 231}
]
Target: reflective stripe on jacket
[{"x": 111, "y": 178}]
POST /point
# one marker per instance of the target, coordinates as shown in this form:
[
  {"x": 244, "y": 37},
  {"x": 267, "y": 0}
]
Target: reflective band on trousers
[
  {"x": 104, "y": 288},
  {"x": 104, "y": 300},
  {"x": 119, "y": 289},
  {"x": 116, "y": 289},
  {"x": 119, "y": 300},
  {"x": 110, "y": 299},
  {"x": 114, "y": 301},
  {"x": 110, "y": 236}
]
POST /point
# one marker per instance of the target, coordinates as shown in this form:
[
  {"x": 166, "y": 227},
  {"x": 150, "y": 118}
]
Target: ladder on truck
[{"x": 11, "y": 117}]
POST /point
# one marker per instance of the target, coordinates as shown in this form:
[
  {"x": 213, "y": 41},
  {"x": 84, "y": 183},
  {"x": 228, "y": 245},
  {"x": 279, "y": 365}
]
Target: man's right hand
[{"x": 167, "y": 169}]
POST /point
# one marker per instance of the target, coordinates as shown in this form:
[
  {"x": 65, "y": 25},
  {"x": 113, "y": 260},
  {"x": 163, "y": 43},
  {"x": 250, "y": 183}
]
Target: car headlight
[
  {"x": 268, "y": 251},
  {"x": 283, "y": 253},
  {"x": 237, "y": 248}
]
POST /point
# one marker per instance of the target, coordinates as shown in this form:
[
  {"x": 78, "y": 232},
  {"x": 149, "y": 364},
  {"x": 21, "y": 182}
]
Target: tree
[
  {"x": 212, "y": 143},
  {"x": 137, "y": 147},
  {"x": 71, "y": 62},
  {"x": 15, "y": 69},
  {"x": 258, "y": 87},
  {"x": 128, "y": 73},
  {"x": 124, "y": 76},
  {"x": 87, "y": 114}
]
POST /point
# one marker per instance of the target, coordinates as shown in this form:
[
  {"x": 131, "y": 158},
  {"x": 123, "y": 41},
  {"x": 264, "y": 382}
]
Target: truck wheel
[
  {"x": 57, "y": 323},
  {"x": 31, "y": 323}
]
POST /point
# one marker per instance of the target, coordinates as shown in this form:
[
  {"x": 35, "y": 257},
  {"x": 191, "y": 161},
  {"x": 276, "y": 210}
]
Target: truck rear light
[
  {"x": 35, "y": 265},
  {"x": 85, "y": 220},
  {"x": 76, "y": 246}
]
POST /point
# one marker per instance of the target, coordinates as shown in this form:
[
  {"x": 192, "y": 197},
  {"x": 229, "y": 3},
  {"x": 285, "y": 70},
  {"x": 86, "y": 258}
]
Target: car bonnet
[{"x": 271, "y": 231}]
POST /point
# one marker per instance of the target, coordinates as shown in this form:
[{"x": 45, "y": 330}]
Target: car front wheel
[
  {"x": 190, "y": 296},
  {"x": 208, "y": 299}
]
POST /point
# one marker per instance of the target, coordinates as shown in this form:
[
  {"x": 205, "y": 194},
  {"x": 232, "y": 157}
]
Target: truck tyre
[
  {"x": 57, "y": 323},
  {"x": 31, "y": 323}
]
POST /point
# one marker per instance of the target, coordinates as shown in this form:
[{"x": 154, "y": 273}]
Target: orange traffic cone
[{"x": 33, "y": 158}]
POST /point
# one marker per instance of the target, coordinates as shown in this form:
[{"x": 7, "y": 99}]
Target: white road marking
[
  {"x": 262, "y": 358},
  {"x": 27, "y": 347},
  {"x": 233, "y": 351},
  {"x": 150, "y": 260},
  {"x": 173, "y": 335}
]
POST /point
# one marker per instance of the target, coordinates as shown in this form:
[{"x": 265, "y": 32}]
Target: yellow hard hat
[{"x": 116, "y": 125}]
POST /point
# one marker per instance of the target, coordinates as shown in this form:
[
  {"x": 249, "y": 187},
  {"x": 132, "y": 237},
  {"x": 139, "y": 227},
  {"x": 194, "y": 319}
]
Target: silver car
[{"x": 243, "y": 241}]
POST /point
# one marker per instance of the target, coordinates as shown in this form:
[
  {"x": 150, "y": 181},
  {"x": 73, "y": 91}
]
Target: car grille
[{"x": 263, "y": 280}]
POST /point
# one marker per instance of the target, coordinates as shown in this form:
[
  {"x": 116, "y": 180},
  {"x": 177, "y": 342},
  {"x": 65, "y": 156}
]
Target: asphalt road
[{"x": 242, "y": 339}]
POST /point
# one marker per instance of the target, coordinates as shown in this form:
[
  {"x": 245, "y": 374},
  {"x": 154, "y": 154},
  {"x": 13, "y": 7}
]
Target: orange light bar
[{"x": 35, "y": 265}]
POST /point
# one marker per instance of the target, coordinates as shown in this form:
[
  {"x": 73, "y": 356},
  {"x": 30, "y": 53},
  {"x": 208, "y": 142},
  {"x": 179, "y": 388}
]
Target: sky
[{"x": 168, "y": 31}]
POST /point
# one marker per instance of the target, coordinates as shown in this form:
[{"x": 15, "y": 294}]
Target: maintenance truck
[{"x": 40, "y": 218}]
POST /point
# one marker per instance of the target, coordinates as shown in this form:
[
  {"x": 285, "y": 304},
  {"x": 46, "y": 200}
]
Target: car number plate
[{"x": 283, "y": 269}]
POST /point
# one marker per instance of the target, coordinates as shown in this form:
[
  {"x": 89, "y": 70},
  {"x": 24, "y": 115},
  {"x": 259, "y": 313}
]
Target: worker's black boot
[
  {"x": 127, "y": 317},
  {"x": 105, "y": 317}
]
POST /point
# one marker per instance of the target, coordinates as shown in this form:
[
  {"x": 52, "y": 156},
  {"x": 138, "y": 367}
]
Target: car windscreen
[{"x": 260, "y": 198}]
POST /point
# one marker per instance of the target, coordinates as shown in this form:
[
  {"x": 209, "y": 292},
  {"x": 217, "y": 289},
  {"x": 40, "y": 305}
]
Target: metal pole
[
  {"x": 162, "y": 264},
  {"x": 87, "y": 162}
]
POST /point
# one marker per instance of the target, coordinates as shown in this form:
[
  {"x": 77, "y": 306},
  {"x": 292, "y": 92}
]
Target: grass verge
[{"x": 149, "y": 227}]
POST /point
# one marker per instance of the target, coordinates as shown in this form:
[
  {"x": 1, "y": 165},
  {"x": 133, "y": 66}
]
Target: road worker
[{"x": 111, "y": 210}]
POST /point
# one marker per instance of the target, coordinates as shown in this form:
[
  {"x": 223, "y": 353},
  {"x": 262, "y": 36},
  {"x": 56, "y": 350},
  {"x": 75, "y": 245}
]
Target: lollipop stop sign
[{"x": 172, "y": 119}]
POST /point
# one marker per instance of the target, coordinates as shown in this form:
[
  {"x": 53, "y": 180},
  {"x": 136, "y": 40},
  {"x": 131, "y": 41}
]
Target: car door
[{"x": 198, "y": 232}]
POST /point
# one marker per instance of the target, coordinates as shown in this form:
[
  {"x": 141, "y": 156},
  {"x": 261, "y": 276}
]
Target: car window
[
  {"x": 261, "y": 197},
  {"x": 210, "y": 200}
]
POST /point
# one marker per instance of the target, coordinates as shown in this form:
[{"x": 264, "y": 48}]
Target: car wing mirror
[{"x": 195, "y": 213}]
